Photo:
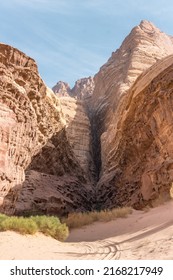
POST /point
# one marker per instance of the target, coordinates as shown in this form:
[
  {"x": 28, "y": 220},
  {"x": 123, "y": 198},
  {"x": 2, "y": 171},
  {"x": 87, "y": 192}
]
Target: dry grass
[{"x": 77, "y": 220}]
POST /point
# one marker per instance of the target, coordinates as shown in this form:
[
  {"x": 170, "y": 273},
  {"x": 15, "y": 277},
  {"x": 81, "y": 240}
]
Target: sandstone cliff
[
  {"x": 62, "y": 89},
  {"x": 144, "y": 46},
  {"x": 74, "y": 107},
  {"x": 78, "y": 131},
  {"x": 32, "y": 137},
  {"x": 140, "y": 151},
  {"x": 106, "y": 109},
  {"x": 82, "y": 90}
]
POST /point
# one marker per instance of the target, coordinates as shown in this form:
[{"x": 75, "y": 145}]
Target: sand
[{"x": 143, "y": 235}]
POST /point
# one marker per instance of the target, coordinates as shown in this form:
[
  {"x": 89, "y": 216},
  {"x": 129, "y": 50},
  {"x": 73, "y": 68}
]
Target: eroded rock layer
[
  {"x": 31, "y": 128},
  {"x": 82, "y": 89},
  {"x": 78, "y": 133},
  {"x": 143, "y": 47},
  {"x": 140, "y": 164}
]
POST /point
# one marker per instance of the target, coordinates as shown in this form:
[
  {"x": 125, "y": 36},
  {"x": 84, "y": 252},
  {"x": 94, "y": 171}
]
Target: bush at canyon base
[{"x": 47, "y": 225}]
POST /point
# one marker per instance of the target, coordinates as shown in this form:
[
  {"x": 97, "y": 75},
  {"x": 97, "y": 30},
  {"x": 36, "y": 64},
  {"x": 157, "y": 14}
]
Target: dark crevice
[
  {"x": 96, "y": 131},
  {"x": 96, "y": 146}
]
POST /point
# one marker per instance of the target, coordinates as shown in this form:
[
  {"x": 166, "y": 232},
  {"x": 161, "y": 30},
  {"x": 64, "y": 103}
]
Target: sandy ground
[{"x": 143, "y": 235}]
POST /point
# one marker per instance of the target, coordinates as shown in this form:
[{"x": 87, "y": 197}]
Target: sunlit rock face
[
  {"x": 78, "y": 132},
  {"x": 74, "y": 104},
  {"x": 32, "y": 129},
  {"x": 141, "y": 49},
  {"x": 139, "y": 153},
  {"x": 62, "y": 89},
  {"x": 23, "y": 102},
  {"x": 82, "y": 89}
]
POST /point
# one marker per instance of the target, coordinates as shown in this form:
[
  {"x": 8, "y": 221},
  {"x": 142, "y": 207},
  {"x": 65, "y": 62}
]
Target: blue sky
[{"x": 71, "y": 39}]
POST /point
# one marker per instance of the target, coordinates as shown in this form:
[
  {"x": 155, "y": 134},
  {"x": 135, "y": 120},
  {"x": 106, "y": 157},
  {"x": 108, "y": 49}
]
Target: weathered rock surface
[
  {"x": 62, "y": 89},
  {"x": 144, "y": 46},
  {"x": 32, "y": 126},
  {"x": 79, "y": 133},
  {"x": 140, "y": 163},
  {"x": 42, "y": 193},
  {"x": 82, "y": 90},
  {"x": 74, "y": 104}
]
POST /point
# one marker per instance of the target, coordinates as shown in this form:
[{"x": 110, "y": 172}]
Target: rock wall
[
  {"x": 82, "y": 89},
  {"x": 78, "y": 131},
  {"x": 62, "y": 89},
  {"x": 31, "y": 128},
  {"x": 23, "y": 131},
  {"x": 144, "y": 46},
  {"x": 141, "y": 161},
  {"x": 76, "y": 110}
]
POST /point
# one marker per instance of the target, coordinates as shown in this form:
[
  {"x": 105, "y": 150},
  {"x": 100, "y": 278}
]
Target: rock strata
[
  {"x": 82, "y": 90},
  {"x": 139, "y": 166},
  {"x": 144, "y": 46},
  {"x": 62, "y": 89},
  {"x": 31, "y": 128}
]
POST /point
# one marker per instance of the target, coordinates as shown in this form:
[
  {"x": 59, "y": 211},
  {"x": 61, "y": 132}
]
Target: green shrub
[
  {"x": 30, "y": 225},
  {"x": 51, "y": 226},
  {"x": 20, "y": 224}
]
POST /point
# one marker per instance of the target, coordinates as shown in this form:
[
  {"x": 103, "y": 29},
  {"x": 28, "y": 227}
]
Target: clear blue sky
[{"x": 71, "y": 39}]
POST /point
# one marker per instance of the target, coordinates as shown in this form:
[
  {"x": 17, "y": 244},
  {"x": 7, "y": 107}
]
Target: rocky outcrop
[
  {"x": 140, "y": 163},
  {"x": 42, "y": 193},
  {"x": 62, "y": 89},
  {"x": 79, "y": 133},
  {"x": 82, "y": 90},
  {"x": 24, "y": 100},
  {"x": 144, "y": 46},
  {"x": 32, "y": 129},
  {"x": 74, "y": 103}
]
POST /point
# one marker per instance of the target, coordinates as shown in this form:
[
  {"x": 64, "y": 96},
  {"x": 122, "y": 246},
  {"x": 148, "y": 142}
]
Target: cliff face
[
  {"x": 23, "y": 127},
  {"x": 62, "y": 89},
  {"x": 123, "y": 168},
  {"x": 140, "y": 155},
  {"x": 32, "y": 135},
  {"x": 144, "y": 46},
  {"x": 78, "y": 131},
  {"x": 115, "y": 128},
  {"x": 74, "y": 104},
  {"x": 82, "y": 90}
]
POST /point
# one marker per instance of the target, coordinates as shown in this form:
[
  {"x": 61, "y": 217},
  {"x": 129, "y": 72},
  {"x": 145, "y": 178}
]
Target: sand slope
[{"x": 143, "y": 235}]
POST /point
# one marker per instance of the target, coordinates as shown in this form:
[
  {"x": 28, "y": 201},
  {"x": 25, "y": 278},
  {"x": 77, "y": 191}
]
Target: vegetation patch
[
  {"x": 29, "y": 225},
  {"x": 77, "y": 220}
]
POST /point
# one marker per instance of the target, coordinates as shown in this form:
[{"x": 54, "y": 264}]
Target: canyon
[{"x": 105, "y": 143}]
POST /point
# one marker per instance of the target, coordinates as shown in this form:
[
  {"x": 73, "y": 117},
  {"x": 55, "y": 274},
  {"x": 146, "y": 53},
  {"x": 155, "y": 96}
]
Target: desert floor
[{"x": 143, "y": 235}]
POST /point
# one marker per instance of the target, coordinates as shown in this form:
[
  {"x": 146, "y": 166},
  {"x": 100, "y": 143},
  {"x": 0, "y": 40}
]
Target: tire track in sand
[{"x": 99, "y": 250}]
